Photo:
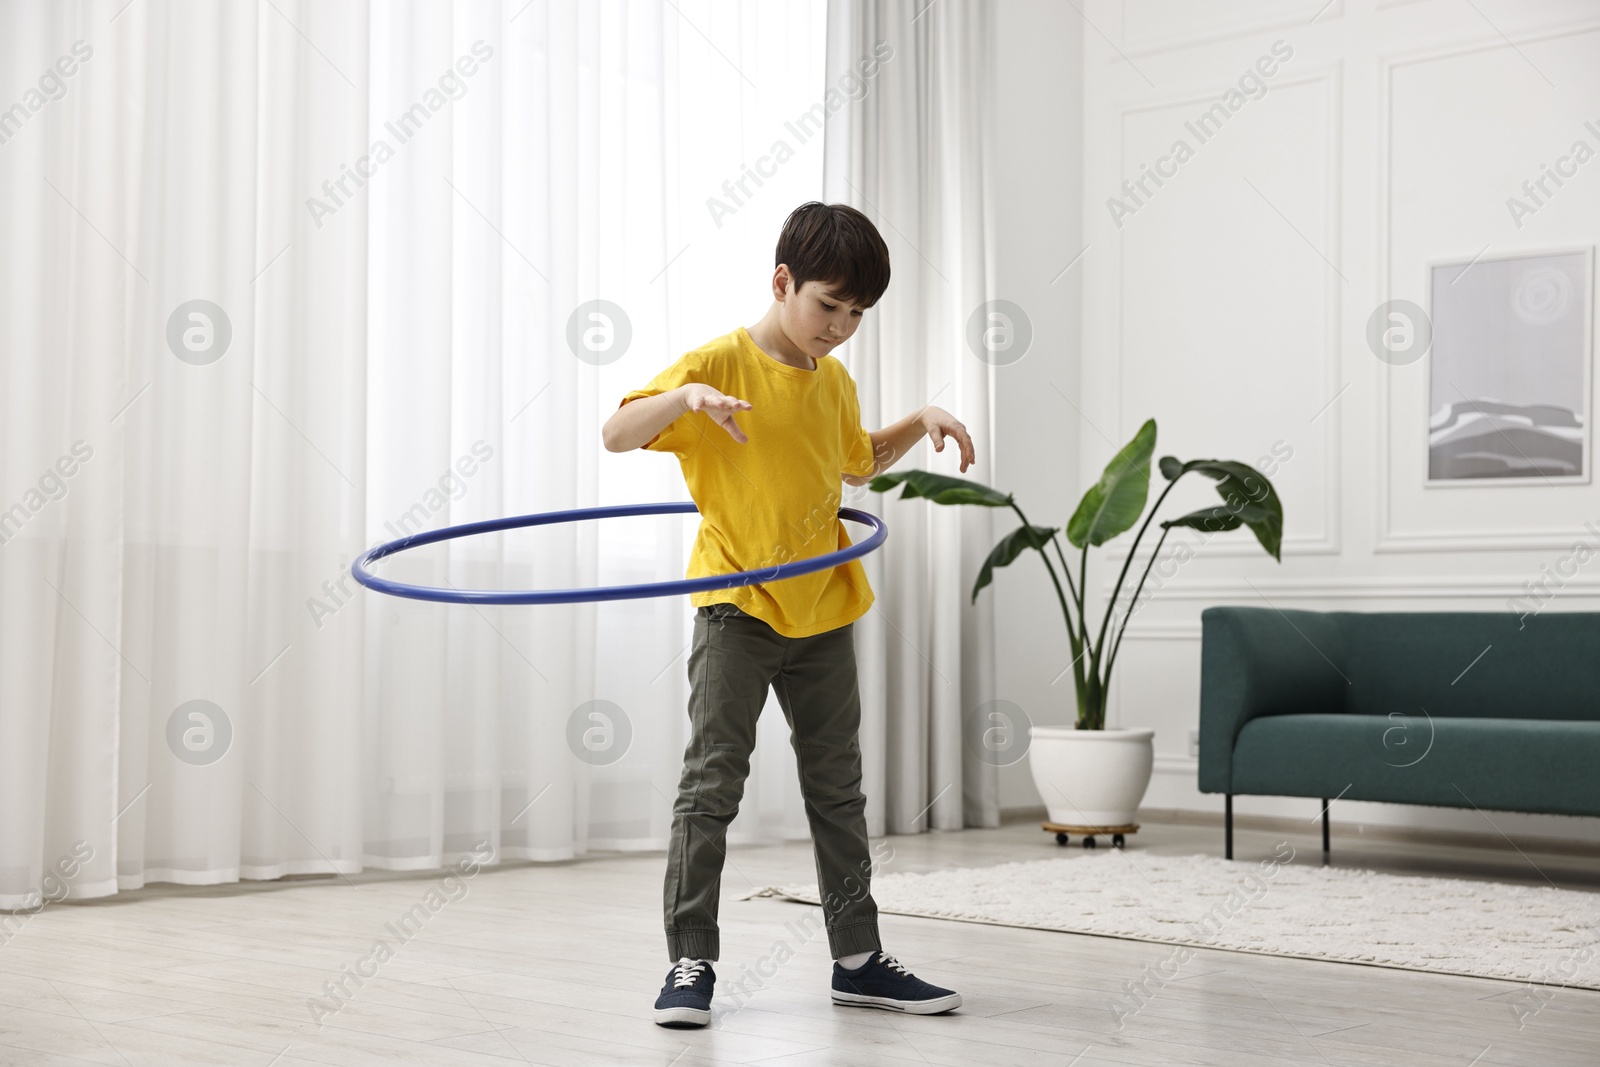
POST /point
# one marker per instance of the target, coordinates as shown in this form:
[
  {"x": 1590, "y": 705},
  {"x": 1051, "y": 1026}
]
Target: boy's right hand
[{"x": 718, "y": 407}]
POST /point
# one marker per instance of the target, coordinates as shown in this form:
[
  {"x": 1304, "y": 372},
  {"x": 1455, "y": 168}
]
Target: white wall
[
  {"x": 1232, "y": 307},
  {"x": 1038, "y": 220}
]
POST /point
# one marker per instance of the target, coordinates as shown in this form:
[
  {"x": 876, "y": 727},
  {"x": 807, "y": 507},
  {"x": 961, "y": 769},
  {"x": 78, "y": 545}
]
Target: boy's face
[{"x": 815, "y": 319}]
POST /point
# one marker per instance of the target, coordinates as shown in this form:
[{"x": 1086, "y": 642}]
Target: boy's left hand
[{"x": 939, "y": 424}]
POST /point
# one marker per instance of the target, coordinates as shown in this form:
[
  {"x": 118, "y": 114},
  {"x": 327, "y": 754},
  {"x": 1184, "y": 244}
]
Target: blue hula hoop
[{"x": 359, "y": 569}]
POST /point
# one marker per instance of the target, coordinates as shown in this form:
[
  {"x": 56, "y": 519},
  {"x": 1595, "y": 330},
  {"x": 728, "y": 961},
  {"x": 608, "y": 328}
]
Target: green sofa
[{"x": 1486, "y": 710}]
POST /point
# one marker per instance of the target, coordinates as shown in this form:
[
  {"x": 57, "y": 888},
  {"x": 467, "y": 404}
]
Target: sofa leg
[
  {"x": 1326, "y": 804},
  {"x": 1227, "y": 823}
]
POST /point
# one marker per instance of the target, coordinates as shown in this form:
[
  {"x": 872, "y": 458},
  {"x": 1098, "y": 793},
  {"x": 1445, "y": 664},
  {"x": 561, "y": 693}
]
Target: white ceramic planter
[{"x": 1091, "y": 777}]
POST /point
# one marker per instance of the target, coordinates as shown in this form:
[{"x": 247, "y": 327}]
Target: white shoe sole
[
  {"x": 682, "y": 1017},
  {"x": 910, "y": 1007}
]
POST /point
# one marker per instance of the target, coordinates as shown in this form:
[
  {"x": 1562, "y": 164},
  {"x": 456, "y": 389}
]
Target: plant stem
[
  {"x": 1072, "y": 634},
  {"x": 1064, "y": 568},
  {"x": 1081, "y": 640},
  {"x": 1067, "y": 570},
  {"x": 1091, "y": 712},
  {"x": 1111, "y": 603},
  {"x": 1083, "y": 589},
  {"x": 1111, "y": 661}
]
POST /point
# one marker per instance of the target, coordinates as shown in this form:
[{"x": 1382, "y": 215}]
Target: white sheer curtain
[
  {"x": 393, "y": 212},
  {"x": 914, "y": 155}
]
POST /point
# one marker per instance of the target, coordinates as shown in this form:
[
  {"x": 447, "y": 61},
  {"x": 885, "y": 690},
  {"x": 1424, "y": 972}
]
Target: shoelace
[
  {"x": 688, "y": 971},
  {"x": 890, "y": 961}
]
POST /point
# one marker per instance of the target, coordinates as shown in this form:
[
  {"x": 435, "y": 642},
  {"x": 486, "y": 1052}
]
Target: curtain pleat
[
  {"x": 912, "y": 154},
  {"x": 280, "y": 281}
]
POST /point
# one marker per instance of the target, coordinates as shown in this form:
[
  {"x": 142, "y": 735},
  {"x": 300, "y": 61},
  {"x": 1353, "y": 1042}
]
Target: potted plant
[{"x": 1091, "y": 776}]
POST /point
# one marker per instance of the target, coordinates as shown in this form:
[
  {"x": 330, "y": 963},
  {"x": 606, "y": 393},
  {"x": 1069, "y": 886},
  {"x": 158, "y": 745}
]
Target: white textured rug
[{"x": 1452, "y": 926}]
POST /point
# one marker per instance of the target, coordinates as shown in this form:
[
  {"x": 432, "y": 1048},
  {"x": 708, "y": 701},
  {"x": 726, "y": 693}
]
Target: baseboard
[
  {"x": 1383, "y": 832},
  {"x": 1286, "y": 824}
]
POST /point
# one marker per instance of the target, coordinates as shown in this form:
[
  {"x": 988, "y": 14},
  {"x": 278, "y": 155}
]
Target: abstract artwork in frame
[{"x": 1509, "y": 373}]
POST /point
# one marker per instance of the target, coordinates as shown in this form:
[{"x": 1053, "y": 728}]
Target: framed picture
[{"x": 1509, "y": 371}]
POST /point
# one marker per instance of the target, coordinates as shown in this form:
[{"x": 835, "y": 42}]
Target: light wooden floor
[{"x": 558, "y": 964}]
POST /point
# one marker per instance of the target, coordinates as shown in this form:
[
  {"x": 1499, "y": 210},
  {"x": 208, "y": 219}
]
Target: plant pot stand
[{"x": 1088, "y": 832}]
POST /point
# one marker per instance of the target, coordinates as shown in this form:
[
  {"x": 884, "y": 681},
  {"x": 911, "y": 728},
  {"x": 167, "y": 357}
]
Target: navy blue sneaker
[
  {"x": 884, "y": 982},
  {"x": 685, "y": 1000}
]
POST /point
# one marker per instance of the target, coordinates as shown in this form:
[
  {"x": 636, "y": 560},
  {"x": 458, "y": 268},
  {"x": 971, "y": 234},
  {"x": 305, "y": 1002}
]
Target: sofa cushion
[
  {"x": 1495, "y": 764},
  {"x": 1479, "y": 664}
]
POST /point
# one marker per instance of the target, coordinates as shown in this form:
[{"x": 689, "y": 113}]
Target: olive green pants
[{"x": 734, "y": 659}]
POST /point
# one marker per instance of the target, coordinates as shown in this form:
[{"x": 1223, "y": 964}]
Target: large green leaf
[
  {"x": 1009, "y": 548},
  {"x": 1116, "y": 501},
  {"x": 941, "y": 489},
  {"x": 1245, "y": 491},
  {"x": 1219, "y": 519}
]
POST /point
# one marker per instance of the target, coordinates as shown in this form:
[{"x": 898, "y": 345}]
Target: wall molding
[
  {"x": 1388, "y": 539},
  {"x": 1445, "y": 588},
  {"x": 1190, "y": 630},
  {"x": 1274, "y": 17},
  {"x": 1164, "y": 631},
  {"x": 1330, "y": 76},
  {"x": 1487, "y": 541}
]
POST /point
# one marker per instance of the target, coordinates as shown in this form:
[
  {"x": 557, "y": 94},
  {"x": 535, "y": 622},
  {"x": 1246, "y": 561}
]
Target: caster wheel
[
  {"x": 1088, "y": 842},
  {"x": 1061, "y": 839},
  {"x": 1117, "y": 841}
]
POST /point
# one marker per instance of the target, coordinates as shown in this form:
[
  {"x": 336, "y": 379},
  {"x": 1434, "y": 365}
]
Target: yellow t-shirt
[{"x": 776, "y": 497}]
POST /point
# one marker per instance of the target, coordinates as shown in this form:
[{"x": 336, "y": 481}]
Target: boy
[{"x": 768, "y": 487}]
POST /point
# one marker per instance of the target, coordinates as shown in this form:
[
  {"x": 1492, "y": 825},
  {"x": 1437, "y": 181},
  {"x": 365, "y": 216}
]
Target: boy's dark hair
[{"x": 837, "y": 244}]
